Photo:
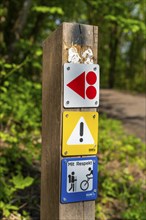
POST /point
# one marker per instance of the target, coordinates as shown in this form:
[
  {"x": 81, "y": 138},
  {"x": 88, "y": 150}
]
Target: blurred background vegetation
[{"x": 24, "y": 25}]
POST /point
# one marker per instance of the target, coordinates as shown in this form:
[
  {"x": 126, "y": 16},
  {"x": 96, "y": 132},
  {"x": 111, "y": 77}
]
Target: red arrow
[{"x": 78, "y": 85}]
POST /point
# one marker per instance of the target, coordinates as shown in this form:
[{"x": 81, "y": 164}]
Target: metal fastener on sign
[
  {"x": 95, "y": 190},
  {"x": 66, "y": 115},
  {"x": 93, "y": 161},
  {"x": 94, "y": 116},
  {"x": 65, "y": 153},
  {"x": 68, "y": 68},
  {"x": 67, "y": 102},
  {"x": 64, "y": 199},
  {"x": 95, "y": 68},
  {"x": 96, "y": 103}
]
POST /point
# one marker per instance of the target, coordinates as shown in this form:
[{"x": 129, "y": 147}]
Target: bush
[{"x": 121, "y": 174}]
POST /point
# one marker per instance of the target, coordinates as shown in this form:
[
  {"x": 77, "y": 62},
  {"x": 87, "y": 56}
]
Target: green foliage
[
  {"x": 20, "y": 183},
  {"x": 45, "y": 9},
  {"x": 121, "y": 57},
  {"x": 7, "y": 208},
  {"x": 20, "y": 140},
  {"x": 122, "y": 33},
  {"x": 127, "y": 24},
  {"x": 121, "y": 36},
  {"x": 121, "y": 174},
  {"x": 8, "y": 192}
]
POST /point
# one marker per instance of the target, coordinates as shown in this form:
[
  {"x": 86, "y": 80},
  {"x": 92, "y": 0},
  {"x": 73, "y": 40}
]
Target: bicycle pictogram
[{"x": 84, "y": 185}]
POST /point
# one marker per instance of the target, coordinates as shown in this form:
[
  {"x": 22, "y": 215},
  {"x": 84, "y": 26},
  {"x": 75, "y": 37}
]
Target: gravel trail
[{"x": 130, "y": 109}]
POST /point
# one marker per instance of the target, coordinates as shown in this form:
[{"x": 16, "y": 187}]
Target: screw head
[
  {"x": 96, "y": 103},
  {"x": 68, "y": 68},
  {"x": 94, "y": 145},
  {"x": 64, "y": 199},
  {"x": 67, "y": 102},
  {"x": 95, "y": 190},
  {"x": 93, "y": 161},
  {"x": 95, "y": 68},
  {"x": 65, "y": 153},
  {"x": 94, "y": 116},
  {"x": 66, "y": 115}
]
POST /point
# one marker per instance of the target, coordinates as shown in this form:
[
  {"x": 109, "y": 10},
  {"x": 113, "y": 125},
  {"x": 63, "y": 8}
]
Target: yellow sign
[{"x": 80, "y": 133}]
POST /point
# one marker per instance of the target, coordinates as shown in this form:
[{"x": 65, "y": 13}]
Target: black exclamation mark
[{"x": 81, "y": 131}]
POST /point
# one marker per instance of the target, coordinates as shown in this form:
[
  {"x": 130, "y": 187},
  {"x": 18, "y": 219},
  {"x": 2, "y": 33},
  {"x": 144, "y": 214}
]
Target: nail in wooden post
[{"x": 55, "y": 54}]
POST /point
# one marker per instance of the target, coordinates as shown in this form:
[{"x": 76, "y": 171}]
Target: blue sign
[{"x": 79, "y": 179}]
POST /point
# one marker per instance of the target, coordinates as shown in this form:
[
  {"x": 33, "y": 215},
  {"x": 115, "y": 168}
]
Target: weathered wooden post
[{"x": 71, "y": 43}]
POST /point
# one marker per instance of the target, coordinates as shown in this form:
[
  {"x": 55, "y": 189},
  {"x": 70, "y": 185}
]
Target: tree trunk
[{"x": 114, "y": 41}]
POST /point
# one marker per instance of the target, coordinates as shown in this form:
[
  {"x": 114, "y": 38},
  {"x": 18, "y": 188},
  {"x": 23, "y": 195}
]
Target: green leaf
[
  {"x": 8, "y": 65},
  {"x": 45, "y": 9},
  {"x": 20, "y": 182},
  {"x": 7, "y": 208},
  {"x": 38, "y": 52}
]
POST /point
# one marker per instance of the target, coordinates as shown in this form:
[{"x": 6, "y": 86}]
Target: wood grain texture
[
  {"x": 51, "y": 117},
  {"x": 55, "y": 51}
]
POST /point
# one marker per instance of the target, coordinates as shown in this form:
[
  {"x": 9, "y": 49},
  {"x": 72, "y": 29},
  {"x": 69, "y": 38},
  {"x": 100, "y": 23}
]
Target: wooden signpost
[{"x": 68, "y": 173}]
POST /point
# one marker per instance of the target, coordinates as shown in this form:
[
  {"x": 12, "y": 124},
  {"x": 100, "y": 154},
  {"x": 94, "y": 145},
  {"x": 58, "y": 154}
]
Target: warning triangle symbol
[
  {"x": 78, "y": 85},
  {"x": 81, "y": 134}
]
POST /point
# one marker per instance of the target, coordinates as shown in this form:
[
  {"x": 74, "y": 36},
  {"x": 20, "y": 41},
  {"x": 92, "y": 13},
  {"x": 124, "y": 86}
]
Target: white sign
[
  {"x": 81, "y": 85},
  {"x": 81, "y": 134},
  {"x": 79, "y": 176}
]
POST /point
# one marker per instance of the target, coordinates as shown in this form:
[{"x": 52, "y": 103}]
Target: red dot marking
[
  {"x": 91, "y": 92},
  {"x": 91, "y": 78}
]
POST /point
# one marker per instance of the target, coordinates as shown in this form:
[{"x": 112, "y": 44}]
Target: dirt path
[{"x": 130, "y": 109}]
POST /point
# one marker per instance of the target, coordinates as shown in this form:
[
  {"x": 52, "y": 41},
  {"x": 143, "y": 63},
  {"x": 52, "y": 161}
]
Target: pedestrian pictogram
[
  {"x": 80, "y": 133},
  {"x": 79, "y": 179},
  {"x": 72, "y": 180},
  {"x": 81, "y": 85}
]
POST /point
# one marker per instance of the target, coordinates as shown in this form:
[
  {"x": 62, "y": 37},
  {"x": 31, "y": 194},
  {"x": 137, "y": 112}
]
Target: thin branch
[{"x": 17, "y": 67}]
